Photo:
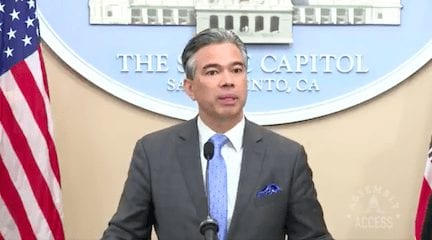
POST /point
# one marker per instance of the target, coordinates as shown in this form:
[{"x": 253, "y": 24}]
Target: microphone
[
  {"x": 208, "y": 151},
  {"x": 209, "y": 227}
]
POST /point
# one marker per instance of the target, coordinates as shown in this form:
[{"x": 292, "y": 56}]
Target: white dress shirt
[{"x": 232, "y": 152}]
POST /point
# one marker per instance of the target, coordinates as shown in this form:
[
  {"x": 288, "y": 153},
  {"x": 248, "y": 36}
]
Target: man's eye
[
  {"x": 211, "y": 72},
  {"x": 238, "y": 70}
]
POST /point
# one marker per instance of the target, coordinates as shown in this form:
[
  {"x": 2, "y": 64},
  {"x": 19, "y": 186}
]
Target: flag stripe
[
  {"x": 44, "y": 75},
  {"x": 30, "y": 129},
  {"x": 12, "y": 201},
  {"x": 17, "y": 175},
  {"x": 28, "y": 85},
  {"x": 428, "y": 169},
  {"x": 1, "y": 236},
  {"x": 45, "y": 92},
  {"x": 25, "y": 155},
  {"x": 8, "y": 228},
  {"x": 425, "y": 194}
]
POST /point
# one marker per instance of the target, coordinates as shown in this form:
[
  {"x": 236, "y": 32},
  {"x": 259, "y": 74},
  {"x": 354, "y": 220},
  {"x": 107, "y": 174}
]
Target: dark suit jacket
[{"x": 165, "y": 188}]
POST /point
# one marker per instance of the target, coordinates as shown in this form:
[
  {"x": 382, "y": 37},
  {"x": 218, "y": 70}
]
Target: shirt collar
[{"x": 235, "y": 134}]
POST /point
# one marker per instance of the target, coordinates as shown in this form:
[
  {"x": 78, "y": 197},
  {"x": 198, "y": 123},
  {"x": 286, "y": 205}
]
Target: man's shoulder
[
  {"x": 271, "y": 136},
  {"x": 178, "y": 129}
]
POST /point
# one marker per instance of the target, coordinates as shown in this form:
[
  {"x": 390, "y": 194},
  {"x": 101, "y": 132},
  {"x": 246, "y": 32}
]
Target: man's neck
[{"x": 221, "y": 125}]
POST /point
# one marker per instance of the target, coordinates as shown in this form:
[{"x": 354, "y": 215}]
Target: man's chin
[{"x": 231, "y": 114}]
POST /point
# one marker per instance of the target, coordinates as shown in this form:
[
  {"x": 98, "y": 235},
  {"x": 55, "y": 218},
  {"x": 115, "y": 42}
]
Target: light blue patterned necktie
[{"x": 218, "y": 185}]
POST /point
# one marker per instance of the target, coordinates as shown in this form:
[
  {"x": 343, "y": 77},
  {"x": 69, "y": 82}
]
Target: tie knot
[{"x": 219, "y": 140}]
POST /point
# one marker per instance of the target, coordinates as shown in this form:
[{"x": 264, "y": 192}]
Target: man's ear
[{"x": 188, "y": 88}]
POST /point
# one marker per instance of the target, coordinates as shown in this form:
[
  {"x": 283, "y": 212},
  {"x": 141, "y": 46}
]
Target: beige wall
[{"x": 368, "y": 161}]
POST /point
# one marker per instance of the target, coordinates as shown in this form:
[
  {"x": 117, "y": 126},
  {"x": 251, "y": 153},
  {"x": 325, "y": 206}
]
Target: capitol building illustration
[{"x": 255, "y": 21}]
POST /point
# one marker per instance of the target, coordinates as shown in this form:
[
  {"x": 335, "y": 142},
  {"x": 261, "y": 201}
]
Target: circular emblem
[{"x": 306, "y": 58}]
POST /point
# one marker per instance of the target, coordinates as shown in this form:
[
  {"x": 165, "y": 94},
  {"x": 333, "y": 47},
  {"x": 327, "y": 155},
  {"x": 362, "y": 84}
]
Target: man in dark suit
[{"x": 269, "y": 189}]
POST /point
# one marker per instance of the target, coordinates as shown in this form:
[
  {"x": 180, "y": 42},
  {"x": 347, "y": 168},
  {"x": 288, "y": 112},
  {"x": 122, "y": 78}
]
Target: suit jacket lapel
[
  {"x": 252, "y": 163},
  {"x": 188, "y": 152}
]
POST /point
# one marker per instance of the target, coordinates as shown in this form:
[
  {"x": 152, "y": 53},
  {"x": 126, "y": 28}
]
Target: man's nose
[{"x": 227, "y": 79}]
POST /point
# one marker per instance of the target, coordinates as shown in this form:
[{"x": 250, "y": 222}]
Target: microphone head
[
  {"x": 209, "y": 224},
  {"x": 208, "y": 150}
]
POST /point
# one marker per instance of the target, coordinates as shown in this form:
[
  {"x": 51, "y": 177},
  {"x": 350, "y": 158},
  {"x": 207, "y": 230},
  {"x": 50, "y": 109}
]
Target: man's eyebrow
[
  {"x": 211, "y": 65},
  {"x": 238, "y": 63},
  {"x": 215, "y": 65}
]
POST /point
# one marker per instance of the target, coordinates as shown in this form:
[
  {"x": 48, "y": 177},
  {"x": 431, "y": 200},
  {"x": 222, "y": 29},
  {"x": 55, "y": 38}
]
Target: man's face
[{"x": 219, "y": 85}]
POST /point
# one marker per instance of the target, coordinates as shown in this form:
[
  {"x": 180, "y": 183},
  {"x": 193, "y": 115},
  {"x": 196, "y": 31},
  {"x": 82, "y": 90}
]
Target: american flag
[
  {"x": 425, "y": 195},
  {"x": 30, "y": 197}
]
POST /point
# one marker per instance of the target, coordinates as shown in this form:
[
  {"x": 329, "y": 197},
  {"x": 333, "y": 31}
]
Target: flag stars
[
  {"x": 30, "y": 22},
  {"x": 11, "y": 33},
  {"x": 14, "y": 14},
  {"x": 18, "y": 30},
  {"x": 26, "y": 40},
  {"x": 8, "y": 52},
  {"x": 31, "y": 4}
]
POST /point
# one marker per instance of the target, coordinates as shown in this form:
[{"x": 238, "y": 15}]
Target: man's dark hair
[{"x": 205, "y": 38}]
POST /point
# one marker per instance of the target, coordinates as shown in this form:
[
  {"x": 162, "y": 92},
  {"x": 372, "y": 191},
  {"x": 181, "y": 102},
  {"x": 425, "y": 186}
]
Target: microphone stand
[{"x": 209, "y": 227}]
